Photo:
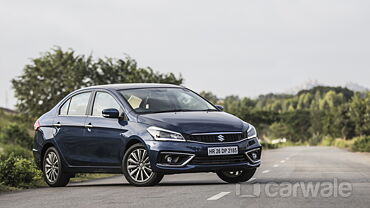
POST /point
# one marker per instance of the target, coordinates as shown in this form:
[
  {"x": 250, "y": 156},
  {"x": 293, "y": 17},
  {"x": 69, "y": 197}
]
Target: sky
[{"x": 244, "y": 48}]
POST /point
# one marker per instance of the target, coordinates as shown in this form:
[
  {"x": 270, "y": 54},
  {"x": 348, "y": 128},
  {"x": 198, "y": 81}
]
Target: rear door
[
  {"x": 104, "y": 136},
  {"x": 70, "y": 125}
]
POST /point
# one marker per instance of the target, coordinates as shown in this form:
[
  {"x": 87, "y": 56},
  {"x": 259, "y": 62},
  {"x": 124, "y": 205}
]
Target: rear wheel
[
  {"x": 54, "y": 175},
  {"x": 236, "y": 176},
  {"x": 136, "y": 167}
]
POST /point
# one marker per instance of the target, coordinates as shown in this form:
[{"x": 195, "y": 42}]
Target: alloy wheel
[
  {"x": 51, "y": 167},
  {"x": 138, "y": 165}
]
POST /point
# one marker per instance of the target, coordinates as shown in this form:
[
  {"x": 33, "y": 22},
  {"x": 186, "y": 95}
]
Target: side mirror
[
  {"x": 220, "y": 107},
  {"x": 110, "y": 113}
]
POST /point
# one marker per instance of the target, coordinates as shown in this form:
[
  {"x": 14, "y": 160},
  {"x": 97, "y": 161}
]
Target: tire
[
  {"x": 136, "y": 167},
  {"x": 52, "y": 168},
  {"x": 236, "y": 176}
]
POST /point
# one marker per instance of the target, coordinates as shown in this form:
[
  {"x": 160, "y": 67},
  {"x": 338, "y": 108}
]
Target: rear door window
[
  {"x": 78, "y": 104},
  {"x": 64, "y": 109}
]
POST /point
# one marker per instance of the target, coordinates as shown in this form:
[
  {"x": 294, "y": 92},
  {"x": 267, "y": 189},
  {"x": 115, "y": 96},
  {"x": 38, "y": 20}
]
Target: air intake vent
[{"x": 216, "y": 137}]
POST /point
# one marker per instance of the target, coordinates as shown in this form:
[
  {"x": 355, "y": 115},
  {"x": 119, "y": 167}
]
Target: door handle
[
  {"x": 57, "y": 124},
  {"x": 89, "y": 125}
]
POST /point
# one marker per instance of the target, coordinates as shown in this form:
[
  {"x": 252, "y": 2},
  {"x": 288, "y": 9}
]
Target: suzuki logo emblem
[{"x": 220, "y": 138}]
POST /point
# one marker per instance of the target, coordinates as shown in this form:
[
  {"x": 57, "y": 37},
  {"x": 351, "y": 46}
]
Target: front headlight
[
  {"x": 251, "y": 132},
  {"x": 165, "y": 135}
]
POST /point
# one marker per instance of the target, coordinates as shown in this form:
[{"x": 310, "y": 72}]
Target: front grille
[
  {"x": 215, "y": 138},
  {"x": 218, "y": 160}
]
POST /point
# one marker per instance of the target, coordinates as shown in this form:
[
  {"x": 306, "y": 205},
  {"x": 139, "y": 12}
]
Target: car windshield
[{"x": 157, "y": 100}]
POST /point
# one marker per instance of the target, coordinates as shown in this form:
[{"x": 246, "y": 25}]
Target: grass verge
[{"x": 81, "y": 177}]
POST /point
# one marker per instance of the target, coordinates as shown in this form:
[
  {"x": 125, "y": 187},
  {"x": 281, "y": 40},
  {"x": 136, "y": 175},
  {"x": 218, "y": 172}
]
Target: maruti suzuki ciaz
[{"x": 144, "y": 131}]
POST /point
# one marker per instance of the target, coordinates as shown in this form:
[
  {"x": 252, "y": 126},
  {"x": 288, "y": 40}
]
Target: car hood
[{"x": 194, "y": 122}]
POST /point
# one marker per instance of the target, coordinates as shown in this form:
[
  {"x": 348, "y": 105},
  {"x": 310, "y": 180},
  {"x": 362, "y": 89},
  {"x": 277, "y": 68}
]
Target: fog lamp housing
[
  {"x": 254, "y": 155},
  {"x": 174, "y": 159}
]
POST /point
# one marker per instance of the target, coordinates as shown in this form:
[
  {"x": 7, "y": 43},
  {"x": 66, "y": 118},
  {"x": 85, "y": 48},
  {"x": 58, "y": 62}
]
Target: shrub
[
  {"x": 16, "y": 171},
  {"x": 267, "y": 145},
  {"x": 342, "y": 143},
  {"x": 15, "y": 134},
  {"x": 18, "y": 151},
  {"x": 361, "y": 144},
  {"x": 279, "y": 130},
  {"x": 314, "y": 140},
  {"x": 327, "y": 141}
]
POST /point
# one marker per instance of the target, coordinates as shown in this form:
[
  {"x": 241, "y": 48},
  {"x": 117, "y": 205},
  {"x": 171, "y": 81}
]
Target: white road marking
[
  {"x": 265, "y": 171},
  {"x": 276, "y": 165},
  {"x": 283, "y": 161},
  {"x": 218, "y": 196}
]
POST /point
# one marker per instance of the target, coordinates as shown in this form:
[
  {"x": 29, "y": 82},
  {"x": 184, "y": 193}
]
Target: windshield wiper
[
  {"x": 209, "y": 109},
  {"x": 174, "y": 110},
  {"x": 179, "y": 110}
]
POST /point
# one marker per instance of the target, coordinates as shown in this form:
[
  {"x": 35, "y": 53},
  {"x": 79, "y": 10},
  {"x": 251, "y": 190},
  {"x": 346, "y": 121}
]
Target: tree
[
  {"x": 322, "y": 90},
  {"x": 343, "y": 122},
  {"x": 16, "y": 134},
  {"x": 299, "y": 123},
  {"x": 232, "y": 105},
  {"x": 330, "y": 100},
  {"x": 360, "y": 113},
  {"x": 316, "y": 122},
  {"x": 111, "y": 71},
  {"x": 52, "y": 76},
  {"x": 209, "y": 96},
  {"x": 280, "y": 130}
]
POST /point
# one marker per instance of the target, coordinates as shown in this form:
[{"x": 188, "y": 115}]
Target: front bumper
[{"x": 201, "y": 162}]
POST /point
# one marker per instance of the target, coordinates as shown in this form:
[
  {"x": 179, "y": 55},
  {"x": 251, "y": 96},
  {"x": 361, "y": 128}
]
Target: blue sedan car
[{"x": 144, "y": 131}]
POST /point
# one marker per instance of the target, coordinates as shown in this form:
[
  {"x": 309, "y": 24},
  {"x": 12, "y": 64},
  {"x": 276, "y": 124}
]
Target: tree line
[{"x": 321, "y": 111}]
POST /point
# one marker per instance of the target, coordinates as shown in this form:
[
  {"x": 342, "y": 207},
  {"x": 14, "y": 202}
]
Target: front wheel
[
  {"x": 236, "y": 176},
  {"x": 136, "y": 167},
  {"x": 54, "y": 174}
]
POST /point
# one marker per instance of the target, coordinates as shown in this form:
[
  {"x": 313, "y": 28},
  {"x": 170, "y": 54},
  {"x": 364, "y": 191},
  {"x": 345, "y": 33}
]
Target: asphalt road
[{"x": 342, "y": 179}]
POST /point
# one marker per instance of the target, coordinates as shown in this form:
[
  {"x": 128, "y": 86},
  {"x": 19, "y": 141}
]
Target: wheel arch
[
  {"x": 132, "y": 141},
  {"x": 43, "y": 151},
  {"x": 45, "y": 147}
]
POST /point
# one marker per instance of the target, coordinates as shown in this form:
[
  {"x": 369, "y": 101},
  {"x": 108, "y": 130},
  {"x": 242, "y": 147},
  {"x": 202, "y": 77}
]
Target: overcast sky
[{"x": 246, "y": 47}]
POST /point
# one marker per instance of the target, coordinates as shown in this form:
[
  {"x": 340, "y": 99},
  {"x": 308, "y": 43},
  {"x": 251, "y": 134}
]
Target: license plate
[{"x": 233, "y": 150}]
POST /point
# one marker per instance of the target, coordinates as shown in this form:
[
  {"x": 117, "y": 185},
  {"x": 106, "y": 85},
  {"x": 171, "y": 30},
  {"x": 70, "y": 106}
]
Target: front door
[{"x": 104, "y": 136}]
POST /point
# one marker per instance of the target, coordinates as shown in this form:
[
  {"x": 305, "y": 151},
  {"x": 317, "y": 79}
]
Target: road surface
[{"x": 326, "y": 168}]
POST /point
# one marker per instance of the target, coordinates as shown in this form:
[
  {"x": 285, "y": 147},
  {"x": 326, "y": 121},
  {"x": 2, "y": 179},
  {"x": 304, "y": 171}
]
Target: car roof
[{"x": 131, "y": 86}]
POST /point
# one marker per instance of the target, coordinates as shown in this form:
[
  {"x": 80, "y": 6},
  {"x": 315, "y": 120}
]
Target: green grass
[
  {"x": 288, "y": 143},
  {"x": 40, "y": 182},
  {"x": 34, "y": 184},
  {"x": 4, "y": 188},
  {"x": 342, "y": 143},
  {"x": 266, "y": 145},
  {"x": 327, "y": 141},
  {"x": 357, "y": 144},
  {"x": 6, "y": 118},
  {"x": 89, "y": 176}
]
